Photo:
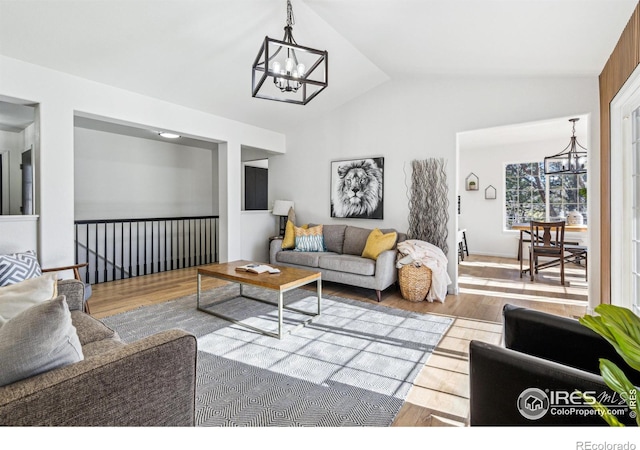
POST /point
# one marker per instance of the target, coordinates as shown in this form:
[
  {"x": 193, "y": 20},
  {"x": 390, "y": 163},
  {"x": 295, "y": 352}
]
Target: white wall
[
  {"x": 404, "y": 120},
  {"x": 119, "y": 176},
  {"x": 257, "y": 226},
  {"x": 61, "y": 96},
  {"x": 484, "y": 219}
]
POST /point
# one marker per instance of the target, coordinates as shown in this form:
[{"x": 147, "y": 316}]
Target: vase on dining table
[{"x": 575, "y": 218}]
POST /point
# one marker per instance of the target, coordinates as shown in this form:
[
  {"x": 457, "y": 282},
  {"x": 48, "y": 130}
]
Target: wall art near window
[
  {"x": 472, "y": 183},
  {"x": 490, "y": 193},
  {"x": 357, "y": 188}
]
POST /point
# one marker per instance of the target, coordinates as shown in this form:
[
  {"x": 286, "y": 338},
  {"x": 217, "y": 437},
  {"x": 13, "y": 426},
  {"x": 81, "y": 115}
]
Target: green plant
[
  {"x": 582, "y": 192},
  {"x": 621, "y": 328}
]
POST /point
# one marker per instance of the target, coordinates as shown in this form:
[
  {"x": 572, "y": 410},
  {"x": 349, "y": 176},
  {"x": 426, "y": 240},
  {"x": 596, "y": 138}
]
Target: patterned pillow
[
  {"x": 289, "y": 240},
  {"x": 18, "y": 267},
  {"x": 310, "y": 239}
]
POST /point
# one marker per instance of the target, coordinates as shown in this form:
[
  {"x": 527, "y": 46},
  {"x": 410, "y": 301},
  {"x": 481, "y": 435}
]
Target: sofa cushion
[
  {"x": 97, "y": 348},
  {"x": 18, "y": 267},
  {"x": 309, "y": 240},
  {"x": 377, "y": 242},
  {"x": 309, "y": 259},
  {"x": 37, "y": 340},
  {"x": 91, "y": 330},
  {"x": 334, "y": 237},
  {"x": 355, "y": 239},
  {"x": 21, "y": 296},
  {"x": 348, "y": 263}
]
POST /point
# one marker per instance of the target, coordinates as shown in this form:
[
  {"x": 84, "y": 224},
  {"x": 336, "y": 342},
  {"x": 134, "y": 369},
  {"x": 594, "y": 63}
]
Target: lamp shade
[{"x": 281, "y": 207}]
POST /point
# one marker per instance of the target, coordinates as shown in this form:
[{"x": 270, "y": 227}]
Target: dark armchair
[{"x": 547, "y": 357}]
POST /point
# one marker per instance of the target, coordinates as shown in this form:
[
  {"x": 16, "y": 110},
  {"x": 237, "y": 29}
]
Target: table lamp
[{"x": 281, "y": 208}]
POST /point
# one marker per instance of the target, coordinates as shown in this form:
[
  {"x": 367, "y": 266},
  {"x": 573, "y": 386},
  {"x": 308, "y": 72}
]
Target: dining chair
[{"x": 547, "y": 240}]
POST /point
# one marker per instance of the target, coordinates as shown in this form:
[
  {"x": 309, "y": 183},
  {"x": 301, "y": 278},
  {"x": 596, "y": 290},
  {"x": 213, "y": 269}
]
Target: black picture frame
[{"x": 357, "y": 188}]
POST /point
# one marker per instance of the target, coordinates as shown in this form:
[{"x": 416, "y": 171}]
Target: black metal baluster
[
  {"x": 200, "y": 245},
  {"x": 86, "y": 253},
  {"x": 106, "y": 269},
  {"x": 113, "y": 246},
  {"x": 121, "y": 250},
  {"x": 144, "y": 260},
  {"x": 130, "y": 253},
  {"x": 184, "y": 254},
  {"x": 137, "y": 248},
  {"x": 188, "y": 242},
  {"x": 96, "y": 256},
  {"x": 171, "y": 242},
  {"x": 165, "y": 246},
  {"x": 151, "y": 245}
]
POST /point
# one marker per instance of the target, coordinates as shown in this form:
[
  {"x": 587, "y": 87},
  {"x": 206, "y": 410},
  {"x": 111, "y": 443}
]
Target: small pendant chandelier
[
  {"x": 569, "y": 160},
  {"x": 287, "y": 72}
]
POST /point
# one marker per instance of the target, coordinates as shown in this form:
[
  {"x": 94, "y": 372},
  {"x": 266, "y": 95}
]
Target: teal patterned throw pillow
[{"x": 310, "y": 239}]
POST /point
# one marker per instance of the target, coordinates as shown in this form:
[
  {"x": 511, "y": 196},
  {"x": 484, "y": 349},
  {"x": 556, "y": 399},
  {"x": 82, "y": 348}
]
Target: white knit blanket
[{"x": 423, "y": 253}]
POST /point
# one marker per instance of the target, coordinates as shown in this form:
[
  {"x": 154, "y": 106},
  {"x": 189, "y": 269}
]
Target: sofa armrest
[
  {"x": 498, "y": 376},
  {"x": 274, "y": 247},
  {"x": 386, "y": 271},
  {"x": 150, "y": 382},
  {"x": 73, "y": 290},
  {"x": 560, "y": 339}
]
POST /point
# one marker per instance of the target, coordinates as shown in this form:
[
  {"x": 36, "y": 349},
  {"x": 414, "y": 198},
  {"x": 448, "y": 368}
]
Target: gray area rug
[{"x": 352, "y": 366}]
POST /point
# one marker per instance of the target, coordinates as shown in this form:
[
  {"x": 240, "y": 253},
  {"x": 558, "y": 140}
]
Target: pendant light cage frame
[
  {"x": 571, "y": 160},
  {"x": 311, "y": 83}
]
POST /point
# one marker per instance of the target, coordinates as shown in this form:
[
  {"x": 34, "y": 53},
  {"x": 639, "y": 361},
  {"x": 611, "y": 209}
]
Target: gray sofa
[
  {"x": 342, "y": 262},
  {"x": 150, "y": 382}
]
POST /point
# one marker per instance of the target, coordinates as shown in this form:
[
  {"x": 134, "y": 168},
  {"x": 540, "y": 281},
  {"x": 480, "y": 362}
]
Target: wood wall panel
[{"x": 621, "y": 64}]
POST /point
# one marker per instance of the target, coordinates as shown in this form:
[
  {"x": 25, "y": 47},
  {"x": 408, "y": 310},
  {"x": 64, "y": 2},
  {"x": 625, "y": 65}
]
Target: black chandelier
[
  {"x": 297, "y": 73},
  {"x": 569, "y": 160}
]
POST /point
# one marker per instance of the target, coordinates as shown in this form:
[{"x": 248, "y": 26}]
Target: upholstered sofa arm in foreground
[
  {"x": 555, "y": 355},
  {"x": 150, "y": 382},
  {"x": 560, "y": 339}
]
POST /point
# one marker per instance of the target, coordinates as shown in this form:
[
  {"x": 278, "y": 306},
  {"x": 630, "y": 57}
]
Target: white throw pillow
[
  {"x": 37, "y": 340},
  {"x": 21, "y": 296}
]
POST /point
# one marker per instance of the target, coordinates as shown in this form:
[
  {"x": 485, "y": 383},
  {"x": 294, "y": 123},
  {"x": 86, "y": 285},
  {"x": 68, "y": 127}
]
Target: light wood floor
[{"x": 440, "y": 395}]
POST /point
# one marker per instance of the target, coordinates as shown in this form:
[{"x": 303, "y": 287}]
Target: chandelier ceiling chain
[
  {"x": 291, "y": 21},
  {"x": 299, "y": 76}
]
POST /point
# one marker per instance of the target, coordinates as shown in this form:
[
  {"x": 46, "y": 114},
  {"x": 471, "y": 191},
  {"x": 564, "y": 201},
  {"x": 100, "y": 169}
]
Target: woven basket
[{"x": 415, "y": 282}]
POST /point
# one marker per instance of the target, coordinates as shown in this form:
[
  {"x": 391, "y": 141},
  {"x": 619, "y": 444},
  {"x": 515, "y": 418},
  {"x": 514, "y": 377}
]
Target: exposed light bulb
[
  {"x": 276, "y": 67},
  {"x": 301, "y": 69},
  {"x": 288, "y": 65}
]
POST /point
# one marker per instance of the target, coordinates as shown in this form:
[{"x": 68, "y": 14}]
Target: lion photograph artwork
[{"x": 356, "y": 188}]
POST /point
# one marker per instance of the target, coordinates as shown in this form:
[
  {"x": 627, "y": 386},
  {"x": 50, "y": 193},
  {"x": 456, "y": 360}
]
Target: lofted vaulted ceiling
[{"x": 198, "y": 53}]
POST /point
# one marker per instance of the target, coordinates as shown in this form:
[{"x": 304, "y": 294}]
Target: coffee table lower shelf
[{"x": 247, "y": 280}]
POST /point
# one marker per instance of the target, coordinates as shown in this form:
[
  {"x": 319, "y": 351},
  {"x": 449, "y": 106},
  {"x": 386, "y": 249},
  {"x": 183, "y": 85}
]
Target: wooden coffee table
[{"x": 288, "y": 279}]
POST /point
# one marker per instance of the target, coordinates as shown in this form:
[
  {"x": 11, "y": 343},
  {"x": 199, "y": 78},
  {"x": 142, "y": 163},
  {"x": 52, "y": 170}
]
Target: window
[{"x": 532, "y": 195}]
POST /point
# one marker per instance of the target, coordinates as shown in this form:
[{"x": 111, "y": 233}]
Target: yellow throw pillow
[
  {"x": 289, "y": 240},
  {"x": 378, "y": 243}
]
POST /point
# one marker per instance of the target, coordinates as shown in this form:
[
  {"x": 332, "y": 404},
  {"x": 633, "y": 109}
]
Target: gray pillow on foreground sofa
[
  {"x": 150, "y": 382},
  {"x": 342, "y": 262}
]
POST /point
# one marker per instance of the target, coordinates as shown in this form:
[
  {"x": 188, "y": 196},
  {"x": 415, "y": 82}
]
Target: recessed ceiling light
[{"x": 166, "y": 135}]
